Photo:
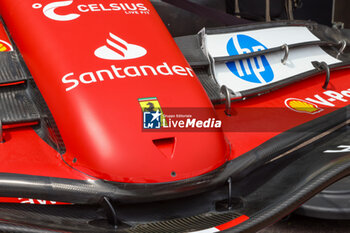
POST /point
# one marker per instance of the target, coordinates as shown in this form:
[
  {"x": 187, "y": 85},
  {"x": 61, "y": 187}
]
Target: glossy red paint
[
  {"x": 233, "y": 223},
  {"x": 100, "y": 119},
  {"x": 24, "y": 152}
]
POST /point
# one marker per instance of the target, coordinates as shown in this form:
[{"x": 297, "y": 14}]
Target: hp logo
[{"x": 254, "y": 70}]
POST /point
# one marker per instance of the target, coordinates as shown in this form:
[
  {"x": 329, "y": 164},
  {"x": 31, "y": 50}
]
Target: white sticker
[{"x": 342, "y": 149}]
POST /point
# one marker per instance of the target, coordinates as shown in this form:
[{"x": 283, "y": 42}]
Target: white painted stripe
[{"x": 210, "y": 230}]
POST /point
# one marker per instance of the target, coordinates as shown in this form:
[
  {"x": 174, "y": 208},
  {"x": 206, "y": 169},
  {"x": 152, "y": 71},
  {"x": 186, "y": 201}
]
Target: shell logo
[
  {"x": 5, "y": 47},
  {"x": 302, "y": 106}
]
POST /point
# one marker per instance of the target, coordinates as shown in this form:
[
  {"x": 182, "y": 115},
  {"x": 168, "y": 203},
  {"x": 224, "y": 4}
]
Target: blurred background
[{"x": 327, "y": 12}]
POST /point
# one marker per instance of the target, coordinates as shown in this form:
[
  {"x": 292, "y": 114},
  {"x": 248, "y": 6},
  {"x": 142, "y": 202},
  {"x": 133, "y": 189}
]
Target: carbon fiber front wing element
[{"x": 258, "y": 200}]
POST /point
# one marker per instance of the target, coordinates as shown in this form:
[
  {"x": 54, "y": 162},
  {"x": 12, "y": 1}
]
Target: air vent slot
[{"x": 166, "y": 146}]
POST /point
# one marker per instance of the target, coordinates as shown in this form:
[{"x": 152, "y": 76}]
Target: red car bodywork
[
  {"x": 100, "y": 122},
  {"x": 100, "y": 119}
]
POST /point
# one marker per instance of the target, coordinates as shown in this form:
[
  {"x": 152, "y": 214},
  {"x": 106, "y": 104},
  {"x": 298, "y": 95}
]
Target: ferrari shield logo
[{"x": 153, "y": 116}]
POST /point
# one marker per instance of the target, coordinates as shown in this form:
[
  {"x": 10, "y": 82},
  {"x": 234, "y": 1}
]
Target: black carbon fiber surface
[
  {"x": 266, "y": 195},
  {"x": 16, "y": 106},
  {"x": 296, "y": 179},
  {"x": 78, "y": 218},
  {"x": 209, "y": 84},
  {"x": 194, "y": 223},
  {"x": 190, "y": 46},
  {"x": 11, "y": 70},
  {"x": 21, "y": 101},
  {"x": 9, "y": 227}
]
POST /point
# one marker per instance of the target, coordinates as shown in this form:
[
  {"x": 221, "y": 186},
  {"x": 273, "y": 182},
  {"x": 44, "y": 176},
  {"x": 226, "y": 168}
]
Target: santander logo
[{"x": 118, "y": 49}]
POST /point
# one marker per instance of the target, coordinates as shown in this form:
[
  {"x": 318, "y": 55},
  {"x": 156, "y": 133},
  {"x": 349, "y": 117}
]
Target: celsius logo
[
  {"x": 119, "y": 49},
  {"x": 254, "y": 70},
  {"x": 49, "y": 11},
  {"x": 127, "y": 8}
]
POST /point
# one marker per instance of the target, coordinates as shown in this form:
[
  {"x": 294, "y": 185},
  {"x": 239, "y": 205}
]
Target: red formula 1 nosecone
[{"x": 92, "y": 62}]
